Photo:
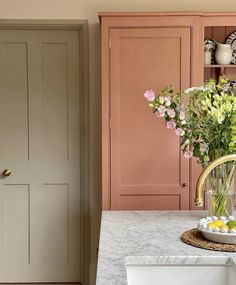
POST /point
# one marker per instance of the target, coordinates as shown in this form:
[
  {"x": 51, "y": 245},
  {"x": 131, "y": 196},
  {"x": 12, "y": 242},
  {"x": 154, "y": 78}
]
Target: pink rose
[
  {"x": 150, "y": 95},
  {"x": 188, "y": 154},
  {"x": 167, "y": 101},
  {"x": 161, "y": 109},
  {"x": 170, "y": 125},
  {"x": 171, "y": 113},
  {"x": 179, "y": 132}
]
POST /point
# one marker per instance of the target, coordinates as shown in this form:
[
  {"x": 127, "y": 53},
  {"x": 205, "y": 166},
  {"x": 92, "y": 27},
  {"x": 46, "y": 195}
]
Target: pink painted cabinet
[
  {"x": 147, "y": 168},
  {"x": 143, "y": 167}
]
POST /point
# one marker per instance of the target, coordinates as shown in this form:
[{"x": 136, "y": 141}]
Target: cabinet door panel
[{"x": 145, "y": 156}]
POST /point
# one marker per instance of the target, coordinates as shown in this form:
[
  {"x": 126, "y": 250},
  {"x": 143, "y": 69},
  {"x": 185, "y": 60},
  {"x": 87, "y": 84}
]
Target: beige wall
[{"x": 87, "y": 9}]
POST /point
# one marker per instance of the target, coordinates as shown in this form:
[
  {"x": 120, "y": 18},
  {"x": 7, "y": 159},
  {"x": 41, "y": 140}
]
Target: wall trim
[
  {"x": 92, "y": 273},
  {"x": 82, "y": 27},
  {"x": 39, "y": 24}
]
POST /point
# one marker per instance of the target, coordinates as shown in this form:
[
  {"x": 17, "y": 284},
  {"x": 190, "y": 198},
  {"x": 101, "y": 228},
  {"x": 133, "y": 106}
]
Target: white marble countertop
[{"x": 152, "y": 235}]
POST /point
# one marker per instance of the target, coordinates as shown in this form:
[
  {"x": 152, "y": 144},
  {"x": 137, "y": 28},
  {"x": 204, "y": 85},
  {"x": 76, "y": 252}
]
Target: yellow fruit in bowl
[
  {"x": 211, "y": 226},
  {"x": 216, "y": 224},
  {"x": 219, "y": 223},
  {"x": 231, "y": 224},
  {"x": 224, "y": 229}
]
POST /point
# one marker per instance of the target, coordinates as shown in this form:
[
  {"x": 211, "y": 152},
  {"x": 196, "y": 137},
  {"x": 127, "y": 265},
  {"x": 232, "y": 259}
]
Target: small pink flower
[
  {"x": 179, "y": 132},
  {"x": 188, "y": 154},
  {"x": 168, "y": 103},
  {"x": 150, "y": 95},
  {"x": 170, "y": 125},
  {"x": 181, "y": 115},
  {"x": 171, "y": 113},
  {"x": 161, "y": 109}
]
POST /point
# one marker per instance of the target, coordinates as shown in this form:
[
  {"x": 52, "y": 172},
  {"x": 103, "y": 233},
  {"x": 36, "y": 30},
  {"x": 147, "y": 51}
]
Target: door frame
[{"x": 81, "y": 26}]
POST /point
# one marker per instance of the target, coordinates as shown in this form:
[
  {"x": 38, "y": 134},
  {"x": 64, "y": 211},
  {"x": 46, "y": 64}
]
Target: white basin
[{"x": 181, "y": 271}]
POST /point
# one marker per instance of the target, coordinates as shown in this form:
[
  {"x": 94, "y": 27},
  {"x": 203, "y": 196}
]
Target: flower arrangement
[
  {"x": 205, "y": 120},
  {"x": 206, "y": 125}
]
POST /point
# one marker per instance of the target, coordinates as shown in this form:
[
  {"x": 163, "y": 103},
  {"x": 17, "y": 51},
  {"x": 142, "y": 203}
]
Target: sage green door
[{"x": 39, "y": 142}]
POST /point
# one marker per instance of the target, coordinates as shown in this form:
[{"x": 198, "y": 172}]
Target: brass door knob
[
  {"x": 184, "y": 185},
  {"x": 6, "y": 172}
]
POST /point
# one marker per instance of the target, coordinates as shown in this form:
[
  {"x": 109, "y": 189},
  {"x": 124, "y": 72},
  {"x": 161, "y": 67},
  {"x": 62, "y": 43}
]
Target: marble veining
[{"x": 149, "y": 237}]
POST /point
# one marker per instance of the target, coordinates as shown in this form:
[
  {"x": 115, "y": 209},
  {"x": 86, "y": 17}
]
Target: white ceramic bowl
[{"x": 219, "y": 237}]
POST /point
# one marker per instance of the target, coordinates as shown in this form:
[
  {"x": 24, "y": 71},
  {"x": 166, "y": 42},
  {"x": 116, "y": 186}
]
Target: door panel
[
  {"x": 55, "y": 212},
  {"x": 16, "y": 223},
  {"x": 144, "y": 202},
  {"x": 55, "y": 100},
  {"x": 14, "y": 101},
  {"x": 39, "y": 123},
  {"x": 146, "y": 160}
]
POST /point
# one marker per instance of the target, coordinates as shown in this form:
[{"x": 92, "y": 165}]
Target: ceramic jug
[{"x": 223, "y": 53}]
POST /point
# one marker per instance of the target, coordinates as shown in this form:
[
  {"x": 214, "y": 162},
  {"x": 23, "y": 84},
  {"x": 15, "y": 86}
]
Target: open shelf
[
  {"x": 220, "y": 65},
  {"x": 220, "y": 69},
  {"x": 219, "y": 34}
]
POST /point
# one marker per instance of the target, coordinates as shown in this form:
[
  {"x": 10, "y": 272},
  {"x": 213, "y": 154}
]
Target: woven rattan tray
[{"x": 195, "y": 238}]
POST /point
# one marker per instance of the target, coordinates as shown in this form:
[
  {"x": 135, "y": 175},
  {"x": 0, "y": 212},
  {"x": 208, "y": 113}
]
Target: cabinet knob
[
  {"x": 184, "y": 185},
  {"x": 6, "y": 172}
]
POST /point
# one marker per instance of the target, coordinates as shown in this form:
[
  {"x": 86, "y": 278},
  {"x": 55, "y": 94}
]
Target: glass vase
[{"x": 220, "y": 192}]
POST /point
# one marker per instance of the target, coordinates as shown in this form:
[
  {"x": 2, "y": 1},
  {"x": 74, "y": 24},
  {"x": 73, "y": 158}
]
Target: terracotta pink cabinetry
[{"x": 143, "y": 167}]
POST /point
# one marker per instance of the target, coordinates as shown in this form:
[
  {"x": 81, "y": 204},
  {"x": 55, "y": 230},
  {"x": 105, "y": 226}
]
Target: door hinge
[
  {"x": 110, "y": 123},
  {"x": 109, "y": 42}
]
